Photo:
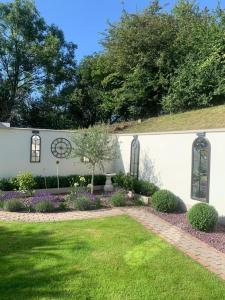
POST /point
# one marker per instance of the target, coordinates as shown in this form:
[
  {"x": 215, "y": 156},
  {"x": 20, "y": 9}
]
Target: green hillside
[{"x": 207, "y": 118}]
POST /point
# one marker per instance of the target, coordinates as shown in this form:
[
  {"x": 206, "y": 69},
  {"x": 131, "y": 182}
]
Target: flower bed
[
  {"x": 29, "y": 203},
  {"x": 215, "y": 239}
]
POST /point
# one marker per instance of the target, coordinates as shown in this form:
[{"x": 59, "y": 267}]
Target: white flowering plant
[{"x": 82, "y": 180}]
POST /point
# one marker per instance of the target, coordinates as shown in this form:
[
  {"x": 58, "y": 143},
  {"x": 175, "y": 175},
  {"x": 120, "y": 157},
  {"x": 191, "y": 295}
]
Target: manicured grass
[
  {"x": 112, "y": 258},
  {"x": 207, "y": 118}
]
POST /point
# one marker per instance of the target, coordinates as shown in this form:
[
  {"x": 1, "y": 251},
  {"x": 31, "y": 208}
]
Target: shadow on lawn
[{"x": 31, "y": 267}]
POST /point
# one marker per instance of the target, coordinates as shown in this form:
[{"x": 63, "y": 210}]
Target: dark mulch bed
[{"x": 215, "y": 239}]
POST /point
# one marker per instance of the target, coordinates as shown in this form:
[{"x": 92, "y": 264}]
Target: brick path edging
[{"x": 209, "y": 257}]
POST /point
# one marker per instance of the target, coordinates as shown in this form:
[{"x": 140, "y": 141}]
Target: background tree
[
  {"x": 153, "y": 61},
  {"x": 198, "y": 80},
  {"x": 158, "y": 61},
  {"x": 35, "y": 60},
  {"x": 97, "y": 146}
]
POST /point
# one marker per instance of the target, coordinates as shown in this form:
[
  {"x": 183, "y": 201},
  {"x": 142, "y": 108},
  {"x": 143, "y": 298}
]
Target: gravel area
[{"x": 215, "y": 239}]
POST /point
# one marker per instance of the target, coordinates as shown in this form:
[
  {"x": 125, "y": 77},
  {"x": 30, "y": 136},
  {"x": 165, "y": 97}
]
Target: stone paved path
[
  {"x": 61, "y": 216},
  {"x": 207, "y": 256}
]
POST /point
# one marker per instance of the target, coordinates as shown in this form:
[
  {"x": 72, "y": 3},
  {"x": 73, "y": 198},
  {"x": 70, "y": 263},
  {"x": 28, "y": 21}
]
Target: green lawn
[
  {"x": 111, "y": 258},
  {"x": 207, "y": 118}
]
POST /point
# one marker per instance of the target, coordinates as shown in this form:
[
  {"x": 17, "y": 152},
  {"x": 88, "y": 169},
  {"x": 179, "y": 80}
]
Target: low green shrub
[
  {"x": 44, "y": 206},
  {"x": 144, "y": 187},
  {"x": 85, "y": 202},
  {"x": 13, "y": 205},
  {"x": 25, "y": 182},
  {"x": 118, "y": 198},
  {"x": 6, "y": 184},
  {"x": 164, "y": 201},
  {"x": 63, "y": 206},
  {"x": 129, "y": 182},
  {"x": 203, "y": 217},
  {"x": 125, "y": 181},
  {"x": 82, "y": 201},
  {"x": 138, "y": 202}
]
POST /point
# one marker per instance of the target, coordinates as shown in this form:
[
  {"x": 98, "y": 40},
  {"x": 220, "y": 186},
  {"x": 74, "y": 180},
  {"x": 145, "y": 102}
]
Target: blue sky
[{"x": 83, "y": 21}]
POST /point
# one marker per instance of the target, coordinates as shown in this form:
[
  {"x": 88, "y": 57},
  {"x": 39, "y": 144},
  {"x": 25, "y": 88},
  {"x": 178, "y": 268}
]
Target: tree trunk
[{"x": 92, "y": 179}]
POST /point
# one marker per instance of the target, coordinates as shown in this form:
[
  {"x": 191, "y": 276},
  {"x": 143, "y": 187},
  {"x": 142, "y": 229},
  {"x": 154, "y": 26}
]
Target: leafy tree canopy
[
  {"x": 35, "y": 60},
  {"x": 154, "y": 61}
]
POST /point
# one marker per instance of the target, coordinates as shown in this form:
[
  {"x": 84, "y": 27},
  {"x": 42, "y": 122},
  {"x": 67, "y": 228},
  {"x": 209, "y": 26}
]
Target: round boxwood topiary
[
  {"x": 203, "y": 217},
  {"x": 164, "y": 201}
]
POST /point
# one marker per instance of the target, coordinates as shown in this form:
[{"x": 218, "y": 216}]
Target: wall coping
[{"x": 192, "y": 131}]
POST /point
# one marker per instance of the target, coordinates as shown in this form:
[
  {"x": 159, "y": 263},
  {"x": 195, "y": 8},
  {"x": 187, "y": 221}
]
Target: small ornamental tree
[{"x": 95, "y": 147}]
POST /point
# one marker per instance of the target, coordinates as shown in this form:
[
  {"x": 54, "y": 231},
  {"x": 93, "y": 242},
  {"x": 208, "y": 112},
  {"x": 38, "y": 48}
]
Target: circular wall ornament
[{"x": 61, "y": 148}]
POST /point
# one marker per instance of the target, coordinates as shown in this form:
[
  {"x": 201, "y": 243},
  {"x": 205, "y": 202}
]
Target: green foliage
[
  {"x": 144, "y": 187},
  {"x": 118, "y": 198},
  {"x": 9, "y": 184},
  {"x": 25, "y": 182},
  {"x": 203, "y": 217},
  {"x": 63, "y": 206},
  {"x": 138, "y": 202},
  {"x": 88, "y": 102},
  {"x": 163, "y": 61},
  {"x": 84, "y": 202},
  {"x": 129, "y": 182},
  {"x": 35, "y": 61},
  {"x": 164, "y": 201},
  {"x": 13, "y": 205},
  {"x": 6, "y": 185},
  {"x": 125, "y": 181},
  {"x": 44, "y": 206},
  {"x": 97, "y": 146}
]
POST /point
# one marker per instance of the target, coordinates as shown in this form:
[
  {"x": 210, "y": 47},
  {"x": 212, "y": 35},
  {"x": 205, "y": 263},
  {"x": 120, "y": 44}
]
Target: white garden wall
[
  {"x": 15, "y": 154},
  {"x": 166, "y": 160}
]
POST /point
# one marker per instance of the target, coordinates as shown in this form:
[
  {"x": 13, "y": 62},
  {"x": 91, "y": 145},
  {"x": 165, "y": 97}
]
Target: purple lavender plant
[
  {"x": 11, "y": 195},
  {"x": 41, "y": 196}
]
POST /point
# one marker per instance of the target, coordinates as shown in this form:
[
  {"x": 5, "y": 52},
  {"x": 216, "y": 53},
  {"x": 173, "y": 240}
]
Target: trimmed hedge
[
  {"x": 9, "y": 184},
  {"x": 165, "y": 201},
  {"x": 203, "y": 217}
]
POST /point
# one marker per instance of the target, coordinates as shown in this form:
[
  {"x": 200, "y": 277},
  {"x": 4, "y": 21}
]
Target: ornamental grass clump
[
  {"x": 83, "y": 201},
  {"x": 45, "y": 197},
  {"x": 44, "y": 206},
  {"x": 203, "y": 217},
  {"x": 14, "y": 205},
  {"x": 118, "y": 198},
  {"x": 165, "y": 201}
]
